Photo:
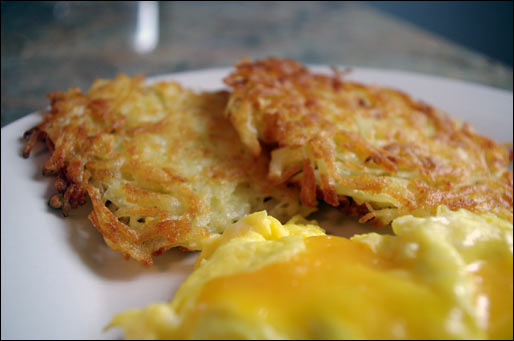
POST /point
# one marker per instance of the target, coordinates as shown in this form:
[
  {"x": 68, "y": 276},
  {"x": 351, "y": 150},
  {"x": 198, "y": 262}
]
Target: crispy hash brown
[
  {"x": 372, "y": 151},
  {"x": 162, "y": 165}
]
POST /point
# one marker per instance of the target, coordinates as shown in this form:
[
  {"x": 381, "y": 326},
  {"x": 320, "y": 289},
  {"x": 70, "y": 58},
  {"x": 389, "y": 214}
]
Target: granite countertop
[{"x": 52, "y": 46}]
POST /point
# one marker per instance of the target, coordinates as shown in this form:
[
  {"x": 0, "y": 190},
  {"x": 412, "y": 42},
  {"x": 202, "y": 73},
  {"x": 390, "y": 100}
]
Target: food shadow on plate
[
  {"x": 89, "y": 244},
  {"x": 337, "y": 223},
  {"x": 94, "y": 252}
]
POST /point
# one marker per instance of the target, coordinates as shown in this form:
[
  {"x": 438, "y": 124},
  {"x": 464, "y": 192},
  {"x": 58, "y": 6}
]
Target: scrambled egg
[{"x": 448, "y": 276}]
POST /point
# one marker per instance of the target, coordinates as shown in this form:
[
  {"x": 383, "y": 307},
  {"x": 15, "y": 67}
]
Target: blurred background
[{"x": 48, "y": 46}]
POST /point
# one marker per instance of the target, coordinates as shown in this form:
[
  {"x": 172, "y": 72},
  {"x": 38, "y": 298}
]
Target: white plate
[{"x": 60, "y": 280}]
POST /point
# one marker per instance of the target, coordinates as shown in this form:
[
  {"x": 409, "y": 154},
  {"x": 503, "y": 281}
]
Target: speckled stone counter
[{"x": 53, "y": 46}]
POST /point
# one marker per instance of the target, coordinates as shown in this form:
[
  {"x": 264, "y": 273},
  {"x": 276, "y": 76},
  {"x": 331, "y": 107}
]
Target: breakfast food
[
  {"x": 442, "y": 277},
  {"x": 166, "y": 167},
  {"x": 161, "y": 164},
  {"x": 372, "y": 151}
]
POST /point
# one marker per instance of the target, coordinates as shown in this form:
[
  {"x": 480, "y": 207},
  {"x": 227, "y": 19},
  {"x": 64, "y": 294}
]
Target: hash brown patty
[
  {"x": 162, "y": 165},
  {"x": 372, "y": 151}
]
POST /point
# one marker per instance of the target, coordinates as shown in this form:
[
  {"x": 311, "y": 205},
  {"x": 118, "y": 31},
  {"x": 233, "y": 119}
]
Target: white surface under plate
[{"x": 60, "y": 280}]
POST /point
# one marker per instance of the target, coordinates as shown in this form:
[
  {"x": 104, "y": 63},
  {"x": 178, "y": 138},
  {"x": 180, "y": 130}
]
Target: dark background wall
[{"x": 484, "y": 26}]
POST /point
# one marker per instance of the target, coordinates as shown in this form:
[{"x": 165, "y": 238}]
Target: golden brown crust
[
  {"x": 162, "y": 166},
  {"x": 376, "y": 145}
]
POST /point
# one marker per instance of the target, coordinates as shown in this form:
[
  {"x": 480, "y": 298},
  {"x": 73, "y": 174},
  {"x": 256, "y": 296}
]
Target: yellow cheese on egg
[{"x": 448, "y": 276}]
